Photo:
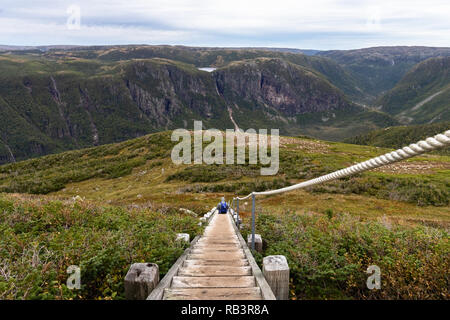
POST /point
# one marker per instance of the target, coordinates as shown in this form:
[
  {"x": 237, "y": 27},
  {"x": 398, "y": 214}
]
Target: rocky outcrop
[
  {"x": 66, "y": 111},
  {"x": 288, "y": 88}
]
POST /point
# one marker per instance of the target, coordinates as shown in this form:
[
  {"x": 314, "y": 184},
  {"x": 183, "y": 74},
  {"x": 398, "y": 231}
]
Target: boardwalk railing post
[
  {"x": 237, "y": 213},
  {"x": 276, "y": 272},
  {"x": 183, "y": 237},
  {"x": 253, "y": 222},
  {"x": 140, "y": 280},
  {"x": 258, "y": 242}
]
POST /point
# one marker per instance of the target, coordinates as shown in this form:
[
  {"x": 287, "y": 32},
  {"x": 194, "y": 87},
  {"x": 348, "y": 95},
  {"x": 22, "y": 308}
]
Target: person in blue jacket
[{"x": 223, "y": 206}]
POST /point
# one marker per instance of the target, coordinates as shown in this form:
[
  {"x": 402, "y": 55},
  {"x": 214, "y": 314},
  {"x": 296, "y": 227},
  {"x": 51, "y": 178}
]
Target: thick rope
[{"x": 423, "y": 146}]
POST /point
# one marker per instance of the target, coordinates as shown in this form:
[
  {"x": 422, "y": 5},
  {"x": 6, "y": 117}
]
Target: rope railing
[{"x": 432, "y": 143}]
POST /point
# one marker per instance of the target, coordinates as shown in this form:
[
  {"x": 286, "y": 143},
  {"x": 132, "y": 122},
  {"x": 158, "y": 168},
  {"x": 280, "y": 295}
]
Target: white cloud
[{"x": 316, "y": 24}]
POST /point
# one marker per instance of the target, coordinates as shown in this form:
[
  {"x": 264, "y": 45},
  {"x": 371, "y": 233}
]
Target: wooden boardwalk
[{"x": 217, "y": 267}]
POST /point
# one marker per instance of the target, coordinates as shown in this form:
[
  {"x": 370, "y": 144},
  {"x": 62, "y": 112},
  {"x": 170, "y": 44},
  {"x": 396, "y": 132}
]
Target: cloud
[{"x": 320, "y": 24}]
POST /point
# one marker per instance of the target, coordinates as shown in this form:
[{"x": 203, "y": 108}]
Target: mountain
[
  {"x": 378, "y": 69},
  {"x": 50, "y": 106},
  {"x": 398, "y": 137},
  {"x": 422, "y": 95},
  {"x": 293, "y": 98},
  {"x": 216, "y": 57},
  {"x": 70, "y": 99}
]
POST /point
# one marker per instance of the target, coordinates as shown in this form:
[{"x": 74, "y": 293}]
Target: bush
[
  {"x": 328, "y": 258},
  {"x": 40, "y": 239}
]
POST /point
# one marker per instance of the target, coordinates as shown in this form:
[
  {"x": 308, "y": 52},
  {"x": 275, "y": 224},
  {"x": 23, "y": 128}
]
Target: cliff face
[
  {"x": 288, "y": 88},
  {"x": 164, "y": 92},
  {"x": 70, "y": 105}
]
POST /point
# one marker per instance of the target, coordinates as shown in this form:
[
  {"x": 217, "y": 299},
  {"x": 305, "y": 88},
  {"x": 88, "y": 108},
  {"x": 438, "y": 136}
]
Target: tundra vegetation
[{"x": 126, "y": 209}]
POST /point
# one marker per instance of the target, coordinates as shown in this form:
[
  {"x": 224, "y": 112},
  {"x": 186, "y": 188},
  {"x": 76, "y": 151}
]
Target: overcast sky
[{"x": 313, "y": 24}]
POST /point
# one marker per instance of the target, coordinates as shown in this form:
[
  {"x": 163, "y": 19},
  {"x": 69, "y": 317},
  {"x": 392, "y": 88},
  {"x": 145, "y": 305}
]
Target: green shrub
[
  {"x": 328, "y": 258},
  {"x": 40, "y": 239}
]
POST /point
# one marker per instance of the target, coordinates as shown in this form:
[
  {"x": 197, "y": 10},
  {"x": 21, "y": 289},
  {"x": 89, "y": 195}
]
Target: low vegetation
[
  {"x": 396, "y": 217},
  {"x": 52, "y": 173},
  {"x": 398, "y": 137},
  {"x": 329, "y": 252},
  {"x": 40, "y": 238}
]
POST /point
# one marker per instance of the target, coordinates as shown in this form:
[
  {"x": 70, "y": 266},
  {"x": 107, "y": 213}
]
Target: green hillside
[
  {"x": 145, "y": 162},
  {"x": 398, "y": 137},
  {"x": 108, "y": 206},
  {"x": 422, "y": 95},
  {"x": 77, "y": 97},
  {"x": 378, "y": 69},
  {"x": 219, "y": 57},
  {"x": 64, "y": 100}
]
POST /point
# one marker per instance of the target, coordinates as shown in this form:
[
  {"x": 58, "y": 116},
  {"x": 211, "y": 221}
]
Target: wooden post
[
  {"x": 276, "y": 272},
  {"x": 237, "y": 214},
  {"x": 253, "y": 222},
  {"x": 258, "y": 242},
  {"x": 183, "y": 237},
  {"x": 140, "y": 280}
]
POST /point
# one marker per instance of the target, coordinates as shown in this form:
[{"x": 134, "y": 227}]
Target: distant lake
[{"x": 207, "y": 69}]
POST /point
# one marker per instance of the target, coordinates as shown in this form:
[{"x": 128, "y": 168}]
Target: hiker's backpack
[{"x": 223, "y": 207}]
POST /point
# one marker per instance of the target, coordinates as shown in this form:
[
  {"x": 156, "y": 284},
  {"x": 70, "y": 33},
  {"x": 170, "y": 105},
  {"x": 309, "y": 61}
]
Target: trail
[
  {"x": 420, "y": 104},
  {"x": 230, "y": 110},
  {"x": 217, "y": 266},
  {"x": 13, "y": 159}
]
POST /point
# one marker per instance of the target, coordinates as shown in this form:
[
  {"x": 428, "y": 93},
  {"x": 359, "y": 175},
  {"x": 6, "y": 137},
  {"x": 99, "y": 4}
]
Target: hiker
[{"x": 223, "y": 206}]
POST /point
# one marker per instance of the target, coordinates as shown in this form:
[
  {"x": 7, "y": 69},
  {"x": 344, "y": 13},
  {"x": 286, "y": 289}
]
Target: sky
[{"x": 313, "y": 24}]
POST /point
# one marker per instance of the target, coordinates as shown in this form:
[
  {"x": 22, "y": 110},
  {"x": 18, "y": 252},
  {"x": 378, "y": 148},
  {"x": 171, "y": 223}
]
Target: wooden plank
[
  {"x": 214, "y": 271},
  {"x": 217, "y": 256},
  {"x": 217, "y": 246},
  {"x": 253, "y": 293},
  {"x": 219, "y": 242},
  {"x": 236, "y": 263},
  {"x": 266, "y": 291},
  {"x": 217, "y": 250},
  {"x": 213, "y": 282},
  {"x": 219, "y": 237}
]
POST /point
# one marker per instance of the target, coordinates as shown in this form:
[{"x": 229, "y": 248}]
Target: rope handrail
[
  {"x": 429, "y": 144},
  {"x": 422, "y": 146}
]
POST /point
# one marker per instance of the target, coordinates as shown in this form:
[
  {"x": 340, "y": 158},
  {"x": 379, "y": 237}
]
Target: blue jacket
[{"x": 220, "y": 206}]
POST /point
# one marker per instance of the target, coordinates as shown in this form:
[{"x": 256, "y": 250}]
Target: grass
[
  {"x": 125, "y": 170},
  {"x": 42, "y": 237},
  {"x": 328, "y": 254},
  {"x": 397, "y": 218}
]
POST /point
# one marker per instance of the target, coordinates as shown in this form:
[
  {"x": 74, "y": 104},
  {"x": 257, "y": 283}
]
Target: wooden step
[
  {"x": 213, "y": 235},
  {"x": 253, "y": 293},
  {"x": 219, "y": 241},
  {"x": 235, "y": 263},
  {"x": 216, "y": 246},
  {"x": 217, "y": 256},
  {"x": 213, "y": 282},
  {"x": 214, "y": 271},
  {"x": 216, "y": 250}
]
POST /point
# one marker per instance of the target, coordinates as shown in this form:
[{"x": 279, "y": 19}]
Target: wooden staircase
[{"x": 216, "y": 267}]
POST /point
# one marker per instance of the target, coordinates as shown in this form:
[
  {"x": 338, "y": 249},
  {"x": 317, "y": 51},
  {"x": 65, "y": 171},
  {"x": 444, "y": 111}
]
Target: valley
[
  {"x": 86, "y": 174},
  {"x": 65, "y": 98}
]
